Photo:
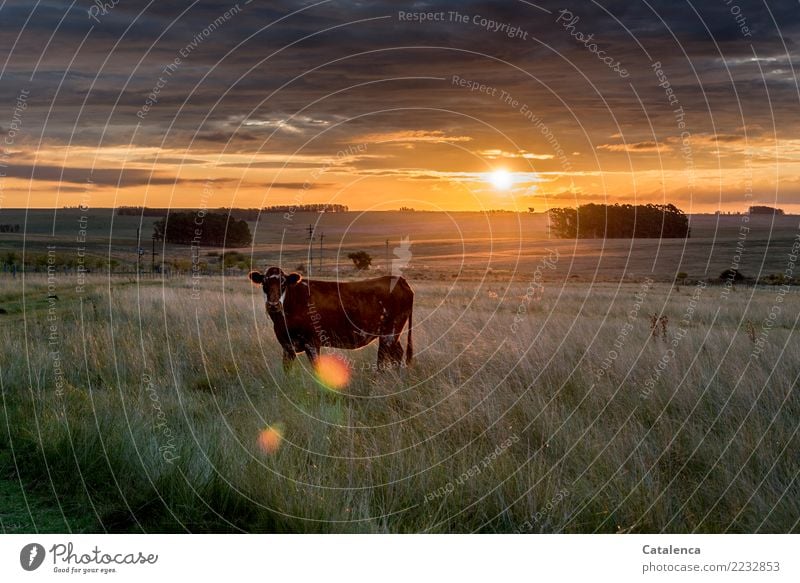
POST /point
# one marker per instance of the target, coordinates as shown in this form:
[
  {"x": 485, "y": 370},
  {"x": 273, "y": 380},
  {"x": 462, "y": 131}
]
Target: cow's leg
[
  {"x": 383, "y": 351},
  {"x": 397, "y": 347},
  {"x": 288, "y": 359},
  {"x": 396, "y": 353},
  {"x": 312, "y": 352},
  {"x": 386, "y": 340},
  {"x": 390, "y": 352}
]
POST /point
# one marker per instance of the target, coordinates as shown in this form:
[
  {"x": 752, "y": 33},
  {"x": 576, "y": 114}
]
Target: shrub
[
  {"x": 361, "y": 259},
  {"x": 731, "y": 275}
]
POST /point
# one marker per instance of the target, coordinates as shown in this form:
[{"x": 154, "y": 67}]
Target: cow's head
[{"x": 275, "y": 283}]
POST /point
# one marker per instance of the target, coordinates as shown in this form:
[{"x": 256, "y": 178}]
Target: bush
[
  {"x": 777, "y": 279},
  {"x": 731, "y": 275},
  {"x": 361, "y": 259},
  {"x": 234, "y": 259}
]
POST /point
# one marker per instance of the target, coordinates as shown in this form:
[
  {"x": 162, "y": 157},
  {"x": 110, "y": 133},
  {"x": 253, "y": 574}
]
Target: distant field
[{"x": 498, "y": 246}]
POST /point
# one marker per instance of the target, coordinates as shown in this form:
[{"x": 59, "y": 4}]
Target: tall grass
[{"x": 490, "y": 430}]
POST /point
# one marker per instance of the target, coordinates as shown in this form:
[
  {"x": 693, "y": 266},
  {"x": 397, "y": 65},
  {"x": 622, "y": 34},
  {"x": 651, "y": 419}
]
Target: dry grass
[{"x": 568, "y": 431}]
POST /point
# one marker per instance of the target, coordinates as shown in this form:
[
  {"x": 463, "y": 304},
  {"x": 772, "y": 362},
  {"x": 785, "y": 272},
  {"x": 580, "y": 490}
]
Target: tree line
[
  {"x": 247, "y": 214},
  {"x": 619, "y": 221}
]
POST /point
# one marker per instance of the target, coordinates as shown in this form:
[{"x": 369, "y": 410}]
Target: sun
[{"x": 501, "y": 179}]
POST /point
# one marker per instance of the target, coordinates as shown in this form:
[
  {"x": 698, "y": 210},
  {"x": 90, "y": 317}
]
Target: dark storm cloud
[
  {"x": 295, "y": 185},
  {"x": 100, "y": 176},
  {"x": 228, "y": 76}
]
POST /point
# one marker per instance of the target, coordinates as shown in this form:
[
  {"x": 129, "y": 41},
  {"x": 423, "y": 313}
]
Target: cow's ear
[
  {"x": 293, "y": 278},
  {"x": 256, "y": 277}
]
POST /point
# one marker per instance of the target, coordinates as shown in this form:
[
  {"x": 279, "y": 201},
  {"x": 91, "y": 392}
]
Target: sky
[{"x": 378, "y": 105}]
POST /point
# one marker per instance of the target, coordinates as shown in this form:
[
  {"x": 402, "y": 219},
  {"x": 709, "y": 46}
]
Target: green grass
[
  {"x": 31, "y": 508},
  {"x": 712, "y": 449}
]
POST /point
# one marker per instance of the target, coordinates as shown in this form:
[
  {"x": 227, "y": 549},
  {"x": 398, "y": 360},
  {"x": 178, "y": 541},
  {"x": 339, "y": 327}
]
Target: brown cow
[{"x": 310, "y": 314}]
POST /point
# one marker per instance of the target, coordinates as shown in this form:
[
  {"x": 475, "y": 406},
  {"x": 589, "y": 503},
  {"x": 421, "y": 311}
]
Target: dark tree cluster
[
  {"x": 203, "y": 229},
  {"x": 619, "y": 221},
  {"x": 765, "y": 210}
]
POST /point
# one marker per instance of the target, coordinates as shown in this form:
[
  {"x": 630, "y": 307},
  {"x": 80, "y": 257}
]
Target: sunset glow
[
  {"x": 178, "y": 121},
  {"x": 501, "y": 179}
]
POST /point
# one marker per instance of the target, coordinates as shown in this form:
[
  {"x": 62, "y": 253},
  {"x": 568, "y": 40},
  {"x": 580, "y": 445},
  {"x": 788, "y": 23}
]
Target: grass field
[{"x": 134, "y": 406}]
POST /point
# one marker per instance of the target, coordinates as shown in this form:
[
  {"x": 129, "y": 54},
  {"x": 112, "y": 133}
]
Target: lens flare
[
  {"x": 270, "y": 438},
  {"x": 332, "y": 371}
]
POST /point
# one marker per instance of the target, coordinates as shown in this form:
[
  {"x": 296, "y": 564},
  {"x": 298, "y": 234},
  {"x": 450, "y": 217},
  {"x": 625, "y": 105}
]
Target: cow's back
[{"x": 352, "y": 313}]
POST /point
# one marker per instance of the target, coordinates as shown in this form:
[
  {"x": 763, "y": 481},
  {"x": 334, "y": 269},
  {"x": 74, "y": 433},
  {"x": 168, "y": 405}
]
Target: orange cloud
[
  {"x": 409, "y": 136},
  {"x": 523, "y": 154},
  {"x": 634, "y": 148}
]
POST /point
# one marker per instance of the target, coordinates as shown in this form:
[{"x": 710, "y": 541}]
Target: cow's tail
[{"x": 409, "y": 342}]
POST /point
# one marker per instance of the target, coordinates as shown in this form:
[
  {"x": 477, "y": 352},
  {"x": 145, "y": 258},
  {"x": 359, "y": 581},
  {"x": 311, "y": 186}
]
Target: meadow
[{"x": 534, "y": 404}]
